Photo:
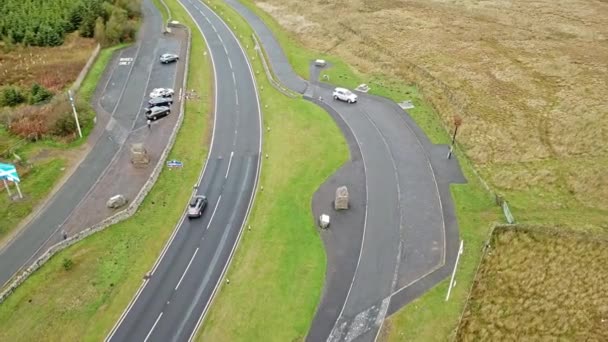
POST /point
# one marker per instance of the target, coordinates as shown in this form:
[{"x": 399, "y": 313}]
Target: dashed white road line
[
  {"x": 186, "y": 270},
  {"x": 214, "y": 210},
  {"x": 233, "y": 78},
  {"x": 154, "y": 326},
  {"x": 229, "y": 162},
  {"x": 230, "y": 63}
]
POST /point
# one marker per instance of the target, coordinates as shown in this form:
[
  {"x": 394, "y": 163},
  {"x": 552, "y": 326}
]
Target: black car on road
[
  {"x": 156, "y": 113},
  {"x": 196, "y": 206}
]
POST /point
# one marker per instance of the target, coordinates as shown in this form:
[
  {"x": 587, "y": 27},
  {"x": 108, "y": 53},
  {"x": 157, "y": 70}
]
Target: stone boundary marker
[{"x": 119, "y": 216}]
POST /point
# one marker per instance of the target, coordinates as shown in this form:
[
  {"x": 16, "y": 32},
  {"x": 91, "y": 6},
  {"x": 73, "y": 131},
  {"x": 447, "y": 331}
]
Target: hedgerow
[{"x": 46, "y": 22}]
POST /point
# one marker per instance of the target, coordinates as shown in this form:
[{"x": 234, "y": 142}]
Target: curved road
[
  {"x": 409, "y": 235},
  {"x": 172, "y": 302}
]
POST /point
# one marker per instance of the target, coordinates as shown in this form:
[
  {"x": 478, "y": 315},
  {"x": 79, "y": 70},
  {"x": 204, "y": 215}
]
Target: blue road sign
[
  {"x": 9, "y": 172},
  {"x": 174, "y": 163}
]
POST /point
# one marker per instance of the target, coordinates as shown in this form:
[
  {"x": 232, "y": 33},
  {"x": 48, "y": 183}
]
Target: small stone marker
[
  {"x": 341, "y": 202},
  {"x": 116, "y": 201},
  {"x": 324, "y": 221},
  {"x": 139, "y": 155}
]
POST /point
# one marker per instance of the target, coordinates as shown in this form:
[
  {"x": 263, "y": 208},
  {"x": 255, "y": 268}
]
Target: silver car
[
  {"x": 168, "y": 58},
  {"x": 196, "y": 206}
]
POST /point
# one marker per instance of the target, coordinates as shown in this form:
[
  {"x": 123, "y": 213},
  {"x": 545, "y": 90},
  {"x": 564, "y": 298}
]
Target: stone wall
[{"x": 85, "y": 70}]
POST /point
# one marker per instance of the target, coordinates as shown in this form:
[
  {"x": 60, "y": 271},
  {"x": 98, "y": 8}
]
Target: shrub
[
  {"x": 68, "y": 264},
  {"x": 11, "y": 96},
  {"x": 39, "y": 94}
]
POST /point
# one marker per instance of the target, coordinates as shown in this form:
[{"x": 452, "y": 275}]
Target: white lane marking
[
  {"x": 186, "y": 270},
  {"x": 226, "y": 51},
  {"x": 229, "y": 162},
  {"x": 220, "y": 38},
  {"x": 214, "y": 30},
  {"x": 233, "y": 78},
  {"x": 230, "y": 63},
  {"x": 154, "y": 326},
  {"x": 213, "y": 214}
]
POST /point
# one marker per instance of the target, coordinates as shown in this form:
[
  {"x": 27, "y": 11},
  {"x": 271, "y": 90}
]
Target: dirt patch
[
  {"x": 52, "y": 67},
  {"x": 531, "y": 286},
  {"x": 528, "y": 78}
]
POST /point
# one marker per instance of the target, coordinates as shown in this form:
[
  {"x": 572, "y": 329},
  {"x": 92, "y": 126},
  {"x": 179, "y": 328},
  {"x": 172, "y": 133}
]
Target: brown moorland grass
[
  {"x": 52, "y": 67},
  {"x": 531, "y": 286},
  {"x": 528, "y": 78}
]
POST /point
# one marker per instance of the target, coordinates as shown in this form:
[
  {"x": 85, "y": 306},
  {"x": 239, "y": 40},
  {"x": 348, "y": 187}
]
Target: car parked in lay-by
[
  {"x": 168, "y": 58},
  {"x": 344, "y": 94},
  {"x": 159, "y": 102},
  {"x": 156, "y": 113},
  {"x": 161, "y": 92},
  {"x": 196, "y": 206}
]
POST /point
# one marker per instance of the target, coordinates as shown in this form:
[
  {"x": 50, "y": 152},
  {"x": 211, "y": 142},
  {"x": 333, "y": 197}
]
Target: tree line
[{"x": 46, "y": 22}]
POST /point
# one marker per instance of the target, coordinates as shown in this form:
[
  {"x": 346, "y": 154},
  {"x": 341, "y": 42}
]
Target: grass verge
[
  {"x": 277, "y": 273},
  {"x": 84, "y": 301},
  {"x": 429, "y": 318}
]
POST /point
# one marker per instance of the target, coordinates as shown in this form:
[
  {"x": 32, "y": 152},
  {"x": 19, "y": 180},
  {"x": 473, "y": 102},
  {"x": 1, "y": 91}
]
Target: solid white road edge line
[{"x": 186, "y": 270}]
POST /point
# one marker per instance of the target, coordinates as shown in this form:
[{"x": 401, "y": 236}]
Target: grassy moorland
[
  {"x": 83, "y": 301},
  {"x": 531, "y": 286}
]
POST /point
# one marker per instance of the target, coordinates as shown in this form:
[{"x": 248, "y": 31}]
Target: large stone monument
[
  {"x": 139, "y": 155},
  {"x": 341, "y": 202}
]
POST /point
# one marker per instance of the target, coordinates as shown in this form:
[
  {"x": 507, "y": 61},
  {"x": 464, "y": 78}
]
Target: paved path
[
  {"x": 123, "y": 89},
  {"x": 408, "y": 229},
  {"x": 172, "y": 302}
]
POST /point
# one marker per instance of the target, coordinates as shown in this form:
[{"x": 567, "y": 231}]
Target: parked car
[
  {"x": 168, "y": 58},
  {"x": 161, "y": 92},
  {"x": 197, "y": 206},
  {"x": 156, "y": 113},
  {"x": 344, "y": 94},
  {"x": 159, "y": 102}
]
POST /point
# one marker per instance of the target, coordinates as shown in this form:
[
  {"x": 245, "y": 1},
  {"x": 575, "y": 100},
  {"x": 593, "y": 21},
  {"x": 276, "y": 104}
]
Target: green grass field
[{"x": 84, "y": 302}]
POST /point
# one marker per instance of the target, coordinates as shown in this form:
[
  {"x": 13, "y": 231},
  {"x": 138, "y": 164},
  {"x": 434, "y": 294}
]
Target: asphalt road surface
[
  {"x": 172, "y": 302},
  {"x": 135, "y": 73}
]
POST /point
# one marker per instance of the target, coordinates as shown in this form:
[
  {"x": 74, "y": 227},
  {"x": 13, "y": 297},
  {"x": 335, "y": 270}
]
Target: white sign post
[
  {"x": 75, "y": 113},
  {"x": 7, "y": 188}
]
